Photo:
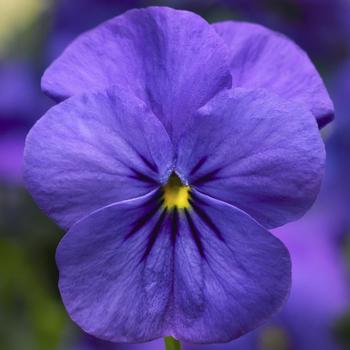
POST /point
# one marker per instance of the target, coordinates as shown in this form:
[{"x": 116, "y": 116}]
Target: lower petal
[{"x": 134, "y": 271}]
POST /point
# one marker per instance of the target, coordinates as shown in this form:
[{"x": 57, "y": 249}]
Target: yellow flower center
[{"x": 176, "y": 194}]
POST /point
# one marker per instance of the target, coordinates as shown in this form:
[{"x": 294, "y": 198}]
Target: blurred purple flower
[
  {"x": 337, "y": 183},
  {"x": 21, "y": 103},
  {"x": 340, "y": 89},
  {"x": 319, "y": 295},
  {"x": 167, "y": 180},
  {"x": 320, "y": 292},
  {"x": 18, "y": 95},
  {"x": 11, "y": 152}
]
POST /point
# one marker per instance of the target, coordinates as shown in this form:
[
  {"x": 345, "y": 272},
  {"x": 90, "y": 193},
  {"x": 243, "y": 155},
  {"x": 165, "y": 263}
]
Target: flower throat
[{"x": 176, "y": 195}]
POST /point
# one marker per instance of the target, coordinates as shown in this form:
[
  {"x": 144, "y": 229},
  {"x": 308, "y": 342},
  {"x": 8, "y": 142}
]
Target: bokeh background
[{"x": 32, "y": 317}]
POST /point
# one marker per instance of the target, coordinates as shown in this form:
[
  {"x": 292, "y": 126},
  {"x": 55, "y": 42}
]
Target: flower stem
[{"x": 171, "y": 344}]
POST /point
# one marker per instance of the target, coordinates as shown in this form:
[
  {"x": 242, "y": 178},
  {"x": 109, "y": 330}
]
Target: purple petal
[
  {"x": 93, "y": 150},
  {"x": 133, "y": 271},
  {"x": 262, "y": 58},
  {"x": 255, "y": 151},
  {"x": 172, "y": 59},
  {"x": 116, "y": 271}
]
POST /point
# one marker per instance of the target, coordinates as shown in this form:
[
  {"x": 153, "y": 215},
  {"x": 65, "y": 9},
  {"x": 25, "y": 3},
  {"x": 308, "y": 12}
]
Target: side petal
[
  {"x": 255, "y": 151},
  {"x": 116, "y": 271},
  {"x": 230, "y": 273},
  {"x": 92, "y": 150},
  {"x": 172, "y": 59},
  {"x": 262, "y": 58}
]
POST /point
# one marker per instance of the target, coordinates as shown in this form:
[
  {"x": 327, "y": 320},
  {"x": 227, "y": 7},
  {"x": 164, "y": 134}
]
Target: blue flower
[{"x": 167, "y": 163}]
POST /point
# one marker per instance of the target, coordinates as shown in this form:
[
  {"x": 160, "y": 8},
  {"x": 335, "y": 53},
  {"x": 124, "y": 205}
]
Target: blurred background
[{"x": 32, "y": 317}]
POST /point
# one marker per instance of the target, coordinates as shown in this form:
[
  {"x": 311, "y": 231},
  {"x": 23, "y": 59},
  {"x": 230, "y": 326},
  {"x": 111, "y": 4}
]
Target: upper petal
[
  {"x": 262, "y": 58},
  {"x": 172, "y": 59},
  {"x": 256, "y": 151},
  {"x": 132, "y": 271},
  {"x": 93, "y": 150}
]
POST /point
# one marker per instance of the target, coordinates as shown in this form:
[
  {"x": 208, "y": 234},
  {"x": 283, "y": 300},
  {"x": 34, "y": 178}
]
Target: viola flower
[{"x": 167, "y": 177}]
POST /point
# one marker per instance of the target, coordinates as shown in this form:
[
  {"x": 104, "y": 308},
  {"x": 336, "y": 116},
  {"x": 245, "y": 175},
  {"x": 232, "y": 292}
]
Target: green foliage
[{"x": 32, "y": 315}]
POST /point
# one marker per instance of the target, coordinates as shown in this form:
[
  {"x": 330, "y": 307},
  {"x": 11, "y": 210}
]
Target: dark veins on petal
[
  {"x": 159, "y": 209},
  {"x": 141, "y": 177},
  {"x": 195, "y": 203},
  {"x": 209, "y": 176},
  {"x": 212, "y": 175}
]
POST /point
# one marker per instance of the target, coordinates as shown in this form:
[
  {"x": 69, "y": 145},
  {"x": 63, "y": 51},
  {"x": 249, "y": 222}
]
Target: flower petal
[
  {"x": 93, "y": 150},
  {"x": 116, "y": 271},
  {"x": 255, "y": 151},
  {"x": 132, "y": 272},
  {"x": 262, "y": 58},
  {"x": 230, "y": 273},
  {"x": 172, "y": 59}
]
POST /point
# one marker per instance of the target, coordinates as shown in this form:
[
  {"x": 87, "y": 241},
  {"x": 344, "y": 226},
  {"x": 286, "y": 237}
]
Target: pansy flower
[{"x": 167, "y": 177}]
